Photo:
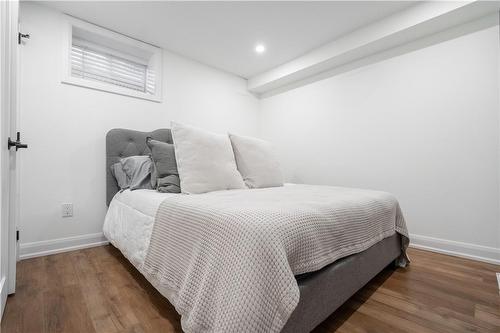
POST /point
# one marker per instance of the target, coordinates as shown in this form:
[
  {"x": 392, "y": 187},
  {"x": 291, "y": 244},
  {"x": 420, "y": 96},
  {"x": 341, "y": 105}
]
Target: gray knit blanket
[{"x": 227, "y": 260}]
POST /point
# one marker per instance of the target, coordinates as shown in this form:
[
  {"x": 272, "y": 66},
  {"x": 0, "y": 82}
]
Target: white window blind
[{"x": 97, "y": 65}]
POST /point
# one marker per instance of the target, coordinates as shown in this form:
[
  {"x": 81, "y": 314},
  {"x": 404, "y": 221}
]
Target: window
[
  {"x": 104, "y": 60},
  {"x": 92, "y": 64}
]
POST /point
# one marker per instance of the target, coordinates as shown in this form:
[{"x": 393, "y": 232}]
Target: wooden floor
[{"x": 97, "y": 290}]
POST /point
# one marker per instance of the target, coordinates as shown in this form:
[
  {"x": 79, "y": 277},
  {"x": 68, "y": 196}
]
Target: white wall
[
  {"x": 423, "y": 125},
  {"x": 65, "y": 127}
]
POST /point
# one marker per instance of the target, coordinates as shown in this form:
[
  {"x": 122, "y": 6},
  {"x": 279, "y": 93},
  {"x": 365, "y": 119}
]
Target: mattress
[{"x": 129, "y": 222}]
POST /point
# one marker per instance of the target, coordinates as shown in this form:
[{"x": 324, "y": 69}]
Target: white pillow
[
  {"x": 205, "y": 160},
  {"x": 256, "y": 162}
]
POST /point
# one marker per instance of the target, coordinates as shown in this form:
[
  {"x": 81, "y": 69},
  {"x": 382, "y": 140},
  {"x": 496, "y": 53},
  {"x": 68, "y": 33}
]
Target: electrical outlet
[{"x": 67, "y": 209}]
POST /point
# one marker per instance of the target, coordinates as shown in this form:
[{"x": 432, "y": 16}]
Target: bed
[{"x": 131, "y": 218}]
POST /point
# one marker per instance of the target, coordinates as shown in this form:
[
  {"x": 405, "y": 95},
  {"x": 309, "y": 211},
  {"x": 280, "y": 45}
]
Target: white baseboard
[
  {"x": 465, "y": 250},
  {"x": 53, "y": 246},
  {"x": 3, "y": 295},
  {"x": 498, "y": 281},
  {"x": 454, "y": 248}
]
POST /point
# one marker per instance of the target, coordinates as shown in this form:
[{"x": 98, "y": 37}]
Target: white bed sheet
[{"x": 129, "y": 222}]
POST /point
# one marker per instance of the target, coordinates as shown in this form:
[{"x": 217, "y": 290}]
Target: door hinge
[
  {"x": 17, "y": 235},
  {"x": 20, "y": 36}
]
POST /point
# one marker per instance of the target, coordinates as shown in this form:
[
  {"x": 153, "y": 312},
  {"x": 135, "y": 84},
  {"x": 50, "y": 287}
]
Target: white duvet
[{"x": 129, "y": 222}]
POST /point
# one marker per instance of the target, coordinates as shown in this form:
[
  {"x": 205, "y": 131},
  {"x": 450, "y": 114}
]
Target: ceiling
[{"x": 224, "y": 34}]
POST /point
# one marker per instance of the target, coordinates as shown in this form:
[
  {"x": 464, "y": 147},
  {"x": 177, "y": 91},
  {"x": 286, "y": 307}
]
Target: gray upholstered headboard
[{"x": 124, "y": 142}]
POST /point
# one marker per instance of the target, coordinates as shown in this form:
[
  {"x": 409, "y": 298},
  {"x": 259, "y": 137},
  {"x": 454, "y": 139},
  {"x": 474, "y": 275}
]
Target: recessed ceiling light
[{"x": 260, "y": 48}]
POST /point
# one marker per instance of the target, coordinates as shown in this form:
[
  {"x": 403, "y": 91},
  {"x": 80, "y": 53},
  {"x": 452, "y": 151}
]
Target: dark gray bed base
[
  {"x": 321, "y": 292},
  {"x": 324, "y": 291}
]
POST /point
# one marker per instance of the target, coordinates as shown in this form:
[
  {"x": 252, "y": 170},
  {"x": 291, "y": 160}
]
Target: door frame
[
  {"x": 9, "y": 14},
  {"x": 14, "y": 157}
]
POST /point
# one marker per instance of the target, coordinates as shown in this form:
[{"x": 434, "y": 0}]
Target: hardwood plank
[
  {"x": 488, "y": 315},
  {"x": 24, "y": 311},
  {"x": 98, "y": 291}
]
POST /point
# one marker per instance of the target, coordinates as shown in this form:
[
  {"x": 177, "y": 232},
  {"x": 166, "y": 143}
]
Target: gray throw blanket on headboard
[{"x": 227, "y": 260}]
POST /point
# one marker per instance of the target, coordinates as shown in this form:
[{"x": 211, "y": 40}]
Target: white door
[{"x": 8, "y": 162}]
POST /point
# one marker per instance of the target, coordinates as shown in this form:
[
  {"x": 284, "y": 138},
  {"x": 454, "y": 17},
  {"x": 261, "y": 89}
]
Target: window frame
[{"x": 155, "y": 60}]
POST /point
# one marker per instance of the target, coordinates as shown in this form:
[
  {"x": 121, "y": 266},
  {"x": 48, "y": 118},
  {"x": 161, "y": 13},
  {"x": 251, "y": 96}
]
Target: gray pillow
[
  {"x": 169, "y": 184},
  {"x": 165, "y": 176},
  {"x": 120, "y": 176},
  {"x": 138, "y": 171}
]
